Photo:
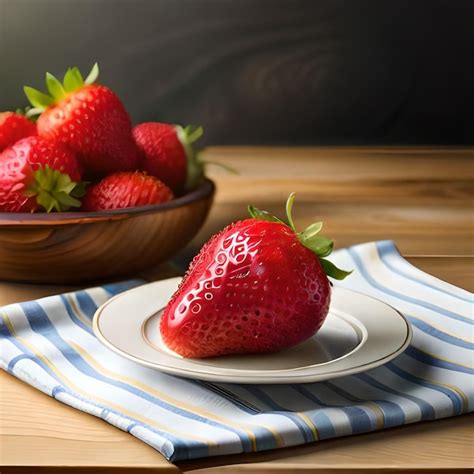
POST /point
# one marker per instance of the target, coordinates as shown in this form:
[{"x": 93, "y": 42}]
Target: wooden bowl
[{"x": 74, "y": 247}]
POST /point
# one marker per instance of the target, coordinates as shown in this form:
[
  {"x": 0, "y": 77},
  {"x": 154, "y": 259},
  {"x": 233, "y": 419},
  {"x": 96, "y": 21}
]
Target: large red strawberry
[
  {"x": 125, "y": 189},
  {"x": 167, "y": 152},
  {"x": 87, "y": 117},
  {"x": 36, "y": 173},
  {"x": 14, "y": 127},
  {"x": 257, "y": 286}
]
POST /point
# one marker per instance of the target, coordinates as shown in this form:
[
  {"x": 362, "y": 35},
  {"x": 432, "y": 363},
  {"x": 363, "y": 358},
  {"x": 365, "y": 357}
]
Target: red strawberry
[
  {"x": 257, "y": 286},
  {"x": 87, "y": 117},
  {"x": 41, "y": 152},
  {"x": 14, "y": 127},
  {"x": 125, "y": 189},
  {"x": 37, "y": 173},
  {"x": 167, "y": 153}
]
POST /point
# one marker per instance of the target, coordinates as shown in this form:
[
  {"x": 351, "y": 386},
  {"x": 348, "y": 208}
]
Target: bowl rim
[{"x": 203, "y": 191}]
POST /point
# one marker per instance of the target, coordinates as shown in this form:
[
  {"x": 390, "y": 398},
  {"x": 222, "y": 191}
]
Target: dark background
[{"x": 261, "y": 71}]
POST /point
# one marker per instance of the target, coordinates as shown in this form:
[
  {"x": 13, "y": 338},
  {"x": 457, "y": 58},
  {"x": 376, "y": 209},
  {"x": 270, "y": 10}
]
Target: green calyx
[
  {"x": 321, "y": 246},
  {"x": 54, "y": 190},
  {"x": 24, "y": 112},
  {"x": 196, "y": 165},
  {"x": 57, "y": 91},
  {"x": 195, "y": 169}
]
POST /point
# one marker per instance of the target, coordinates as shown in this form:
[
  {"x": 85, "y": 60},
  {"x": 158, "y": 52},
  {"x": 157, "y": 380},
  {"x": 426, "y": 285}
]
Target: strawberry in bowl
[
  {"x": 84, "y": 196},
  {"x": 13, "y": 127},
  {"x": 87, "y": 117},
  {"x": 257, "y": 286},
  {"x": 124, "y": 190},
  {"x": 167, "y": 152},
  {"x": 39, "y": 174}
]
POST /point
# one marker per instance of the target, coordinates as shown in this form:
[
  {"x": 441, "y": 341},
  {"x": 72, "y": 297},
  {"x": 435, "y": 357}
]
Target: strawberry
[
  {"x": 257, "y": 286},
  {"x": 125, "y": 189},
  {"x": 167, "y": 153},
  {"x": 14, "y": 127},
  {"x": 37, "y": 173},
  {"x": 87, "y": 117},
  {"x": 41, "y": 152}
]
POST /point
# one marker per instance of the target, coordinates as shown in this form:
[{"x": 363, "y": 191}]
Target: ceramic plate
[{"x": 359, "y": 333}]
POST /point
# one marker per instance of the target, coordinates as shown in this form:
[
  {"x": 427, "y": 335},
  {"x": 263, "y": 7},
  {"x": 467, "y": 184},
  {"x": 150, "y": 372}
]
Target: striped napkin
[{"x": 49, "y": 344}]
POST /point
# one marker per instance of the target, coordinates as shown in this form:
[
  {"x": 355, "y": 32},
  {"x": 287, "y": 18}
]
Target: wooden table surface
[{"x": 419, "y": 197}]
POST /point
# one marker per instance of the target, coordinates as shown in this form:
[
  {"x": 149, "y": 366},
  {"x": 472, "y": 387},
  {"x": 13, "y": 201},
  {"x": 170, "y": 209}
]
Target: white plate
[{"x": 360, "y": 333}]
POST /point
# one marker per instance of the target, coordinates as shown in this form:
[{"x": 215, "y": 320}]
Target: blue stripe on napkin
[{"x": 49, "y": 344}]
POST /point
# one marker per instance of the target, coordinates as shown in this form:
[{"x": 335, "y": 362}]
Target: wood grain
[
  {"x": 419, "y": 197},
  {"x": 38, "y": 432},
  {"x": 422, "y": 198},
  {"x": 458, "y": 271},
  {"x": 406, "y": 449}
]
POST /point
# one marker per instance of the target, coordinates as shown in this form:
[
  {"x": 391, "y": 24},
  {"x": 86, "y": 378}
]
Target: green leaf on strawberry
[
  {"x": 38, "y": 99},
  {"x": 257, "y": 213},
  {"x": 332, "y": 271},
  {"x": 320, "y": 245},
  {"x": 195, "y": 167},
  {"x": 73, "y": 79},
  {"x": 57, "y": 91},
  {"x": 54, "y": 190},
  {"x": 55, "y": 88},
  {"x": 311, "y": 230},
  {"x": 93, "y": 75},
  {"x": 195, "y": 164}
]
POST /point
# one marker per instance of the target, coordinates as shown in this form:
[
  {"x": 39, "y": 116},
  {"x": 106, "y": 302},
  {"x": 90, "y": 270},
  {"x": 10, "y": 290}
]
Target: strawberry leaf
[
  {"x": 289, "y": 210},
  {"x": 193, "y": 133},
  {"x": 332, "y": 271},
  {"x": 63, "y": 182},
  {"x": 72, "y": 80},
  {"x": 65, "y": 200},
  {"x": 55, "y": 88},
  {"x": 311, "y": 230},
  {"x": 195, "y": 167},
  {"x": 324, "y": 252},
  {"x": 54, "y": 190},
  {"x": 93, "y": 75},
  {"x": 195, "y": 164},
  {"x": 78, "y": 75},
  {"x": 262, "y": 215},
  {"x": 38, "y": 99},
  {"x": 26, "y": 112},
  {"x": 79, "y": 190},
  {"x": 45, "y": 200},
  {"x": 320, "y": 245},
  {"x": 32, "y": 113}
]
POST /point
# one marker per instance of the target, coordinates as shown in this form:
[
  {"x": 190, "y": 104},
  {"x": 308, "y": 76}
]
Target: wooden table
[{"x": 419, "y": 197}]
